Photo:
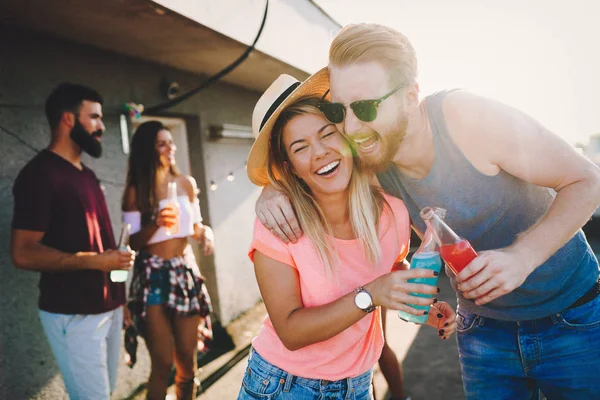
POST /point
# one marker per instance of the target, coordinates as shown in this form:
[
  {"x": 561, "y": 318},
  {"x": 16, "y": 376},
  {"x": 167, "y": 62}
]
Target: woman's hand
[
  {"x": 442, "y": 317},
  {"x": 205, "y": 236},
  {"x": 393, "y": 291},
  {"x": 167, "y": 216},
  {"x": 209, "y": 241}
]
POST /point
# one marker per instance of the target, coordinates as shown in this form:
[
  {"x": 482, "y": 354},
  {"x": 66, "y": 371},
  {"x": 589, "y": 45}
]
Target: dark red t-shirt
[{"x": 67, "y": 204}]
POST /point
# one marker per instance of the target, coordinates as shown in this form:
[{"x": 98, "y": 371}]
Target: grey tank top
[{"x": 490, "y": 211}]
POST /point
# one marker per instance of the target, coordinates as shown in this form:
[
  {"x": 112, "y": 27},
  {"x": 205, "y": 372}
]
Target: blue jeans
[
  {"x": 559, "y": 355},
  {"x": 263, "y": 380}
]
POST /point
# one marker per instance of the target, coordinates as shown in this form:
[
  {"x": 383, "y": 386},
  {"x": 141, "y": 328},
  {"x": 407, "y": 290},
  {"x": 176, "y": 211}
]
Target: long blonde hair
[
  {"x": 365, "y": 205},
  {"x": 367, "y": 42}
]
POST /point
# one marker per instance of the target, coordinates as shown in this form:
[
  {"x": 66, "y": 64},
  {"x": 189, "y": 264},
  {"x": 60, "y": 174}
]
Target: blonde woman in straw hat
[{"x": 323, "y": 334}]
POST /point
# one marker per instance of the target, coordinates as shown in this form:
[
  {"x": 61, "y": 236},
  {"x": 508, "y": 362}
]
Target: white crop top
[{"x": 189, "y": 215}]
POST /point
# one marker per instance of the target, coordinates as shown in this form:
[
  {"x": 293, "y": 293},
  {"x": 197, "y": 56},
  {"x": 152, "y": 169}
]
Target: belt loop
[
  {"x": 350, "y": 389},
  {"x": 481, "y": 320},
  {"x": 288, "y": 382}
]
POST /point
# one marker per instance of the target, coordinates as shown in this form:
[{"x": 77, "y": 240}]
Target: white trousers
[{"x": 86, "y": 349}]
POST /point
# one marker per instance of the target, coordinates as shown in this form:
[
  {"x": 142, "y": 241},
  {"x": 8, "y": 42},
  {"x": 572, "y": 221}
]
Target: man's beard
[
  {"x": 390, "y": 144},
  {"x": 87, "y": 141}
]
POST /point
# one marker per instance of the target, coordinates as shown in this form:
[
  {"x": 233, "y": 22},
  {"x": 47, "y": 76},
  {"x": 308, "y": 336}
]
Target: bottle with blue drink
[
  {"x": 119, "y": 275},
  {"x": 427, "y": 256}
]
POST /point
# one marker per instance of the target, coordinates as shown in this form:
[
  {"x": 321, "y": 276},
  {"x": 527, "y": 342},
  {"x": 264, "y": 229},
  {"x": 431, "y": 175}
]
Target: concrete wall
[{"x": 30, "y": 66}]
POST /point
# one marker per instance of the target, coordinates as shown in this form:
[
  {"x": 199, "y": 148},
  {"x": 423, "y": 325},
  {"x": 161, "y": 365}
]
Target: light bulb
[
  {"x": 213, "y": 186},
  {"x": 230, "y": 177}
]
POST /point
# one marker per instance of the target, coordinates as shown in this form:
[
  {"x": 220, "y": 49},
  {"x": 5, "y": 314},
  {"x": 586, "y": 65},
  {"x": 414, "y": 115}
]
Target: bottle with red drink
[{"x": 454, "y": 250}]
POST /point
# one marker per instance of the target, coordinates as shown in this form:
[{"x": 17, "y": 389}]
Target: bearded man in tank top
[{"x": 529, "y": 310}]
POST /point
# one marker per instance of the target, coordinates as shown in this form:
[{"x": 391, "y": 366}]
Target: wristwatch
[{"x": 363, "y": 300}]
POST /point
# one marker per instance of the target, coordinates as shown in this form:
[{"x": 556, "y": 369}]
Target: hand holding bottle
[
  {"x": 111, "y": 260},
  {"x": 393, "y": 290},
  {"x": 167, "y": 216},
  {"x": 120, "y": 274},
  {"x": 483, "y": 277},
  {"x": 492, "y": 274}
]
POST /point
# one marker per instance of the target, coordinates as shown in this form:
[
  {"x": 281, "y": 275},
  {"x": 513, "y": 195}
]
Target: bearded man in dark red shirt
[{"x": 61, "y": 228}]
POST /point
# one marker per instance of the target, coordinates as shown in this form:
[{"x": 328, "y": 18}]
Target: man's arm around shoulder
[{"x": 276, "y": 213}]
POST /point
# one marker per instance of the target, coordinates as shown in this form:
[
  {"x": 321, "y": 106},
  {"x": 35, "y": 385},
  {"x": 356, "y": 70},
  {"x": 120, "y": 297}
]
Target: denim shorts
[
  {"x": 264, "y": 380},
  {"x": 558, "y": 355},
  {"x": 159, "y": 288}
]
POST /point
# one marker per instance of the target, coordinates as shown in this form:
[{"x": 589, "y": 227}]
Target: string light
[{"x": 230, "y": 177}]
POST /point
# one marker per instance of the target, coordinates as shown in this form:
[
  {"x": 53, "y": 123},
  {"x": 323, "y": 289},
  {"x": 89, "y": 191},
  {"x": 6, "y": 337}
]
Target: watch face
[{"x": 362, "y": 300}]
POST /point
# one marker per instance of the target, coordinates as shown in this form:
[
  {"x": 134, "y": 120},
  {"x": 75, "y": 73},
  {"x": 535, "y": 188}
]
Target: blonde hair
[
  {"x": 367, "y": 42},
  {"x": 365, "y": 205}
]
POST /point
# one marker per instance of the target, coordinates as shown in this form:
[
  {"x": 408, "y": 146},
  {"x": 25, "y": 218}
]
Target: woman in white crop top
[{"x": 168, "y": 299}]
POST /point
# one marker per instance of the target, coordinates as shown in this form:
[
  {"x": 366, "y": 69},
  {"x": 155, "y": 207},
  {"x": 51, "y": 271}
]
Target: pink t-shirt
[{"x": 355, "y": 350}]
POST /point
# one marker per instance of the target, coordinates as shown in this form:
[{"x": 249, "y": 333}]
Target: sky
[{"x": 541, "y": 56}]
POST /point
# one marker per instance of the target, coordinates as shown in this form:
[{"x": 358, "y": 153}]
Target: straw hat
[{"x": 283, "y": 92}]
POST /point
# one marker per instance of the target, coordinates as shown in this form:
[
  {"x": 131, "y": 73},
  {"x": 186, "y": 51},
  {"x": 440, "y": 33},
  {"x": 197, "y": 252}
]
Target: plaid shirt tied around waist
[{"x": 187, "y": 291}]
